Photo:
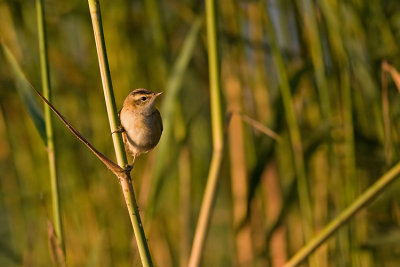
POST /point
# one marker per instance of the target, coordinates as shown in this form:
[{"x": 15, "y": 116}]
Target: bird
[{"x": 141, "y": 123}]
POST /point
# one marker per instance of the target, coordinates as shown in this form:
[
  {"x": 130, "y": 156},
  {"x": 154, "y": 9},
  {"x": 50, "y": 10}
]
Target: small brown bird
[{"x": 141, "y": 122}]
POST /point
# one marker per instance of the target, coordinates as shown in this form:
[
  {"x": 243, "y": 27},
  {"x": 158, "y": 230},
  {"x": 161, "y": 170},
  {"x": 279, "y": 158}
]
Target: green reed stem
[
  {"x": 294, "y": 132},
  {"x": 371, "y": 193},
  {"x": 217, "y": 134},
  {"x": 314, "y": 40},
  {"x": 55, "y": 197},
  {"x": 347, "y": 241},
  {"x": 126, "y": 184}
]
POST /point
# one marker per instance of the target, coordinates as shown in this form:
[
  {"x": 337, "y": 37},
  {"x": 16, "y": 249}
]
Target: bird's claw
[
  {"x": 120, "y": 129},
  {"x": 128, "y": 168}
]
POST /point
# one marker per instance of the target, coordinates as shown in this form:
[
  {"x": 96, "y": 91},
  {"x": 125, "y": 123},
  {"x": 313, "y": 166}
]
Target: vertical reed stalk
[
  {"x": 44, "y": 68},
  {"x": 294, "y": 132},
  {"x": 126, "y": 184},
  {"x": 314, "y": 42},
  {"x": 185, "y": 210},
  {"x": 217, "y": 134},
  {"x": 331, "y": 13},
  {"x": 237, "y": 156}
]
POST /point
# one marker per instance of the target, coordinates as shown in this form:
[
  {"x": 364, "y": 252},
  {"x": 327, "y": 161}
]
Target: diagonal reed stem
[
  {"x": 49, "y": 125},
  {"x": 126, "y": 184},
  {"x": 371, "y": 193},
  {"x": 217, "y": 133}
]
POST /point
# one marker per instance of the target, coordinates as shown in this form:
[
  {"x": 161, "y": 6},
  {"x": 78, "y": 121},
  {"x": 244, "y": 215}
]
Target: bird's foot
[
  {"x": 128, "y": 168},
  {"x": 120, "y": 129}
]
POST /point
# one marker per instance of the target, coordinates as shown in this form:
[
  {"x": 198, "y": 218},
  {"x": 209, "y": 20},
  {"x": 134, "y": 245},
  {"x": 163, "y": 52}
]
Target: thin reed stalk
[
  {"x": 239, "y": 177},
  {"x": 347, "y": 240},
  {"x": 46, "y": 87},
  {"x": 371, "y": 193},
  {"x": 126, "y": 184},
  {"x": 386, "y": 70},
  {"x": 217, "y": 135},
  {"x": 184, "y": 200},
  {"x": 314, "y": 43},
  {"x": 294, "y": 131},
  {"x": 314, "y": 47}
]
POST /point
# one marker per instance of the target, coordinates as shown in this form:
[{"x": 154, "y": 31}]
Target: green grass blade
[{"x": 26, "y": 93}]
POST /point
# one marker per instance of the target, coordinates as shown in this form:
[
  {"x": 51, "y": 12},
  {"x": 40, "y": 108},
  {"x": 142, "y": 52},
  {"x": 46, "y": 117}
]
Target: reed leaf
[{"x": 26, "y": 93}]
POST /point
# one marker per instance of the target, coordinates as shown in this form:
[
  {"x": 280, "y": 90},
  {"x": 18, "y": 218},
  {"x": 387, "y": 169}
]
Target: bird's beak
[{"x": 157, "y": 94}]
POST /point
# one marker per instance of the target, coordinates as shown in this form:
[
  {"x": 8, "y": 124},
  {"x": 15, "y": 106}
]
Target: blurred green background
[{"x": 346, "y": 109}]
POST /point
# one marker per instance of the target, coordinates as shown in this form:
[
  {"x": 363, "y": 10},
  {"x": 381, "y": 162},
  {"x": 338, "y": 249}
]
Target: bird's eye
[{"x": 143, "y": 98}]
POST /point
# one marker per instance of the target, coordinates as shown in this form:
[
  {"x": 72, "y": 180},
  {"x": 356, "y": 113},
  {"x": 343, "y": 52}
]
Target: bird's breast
[{"x": 142, "y": 131}]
